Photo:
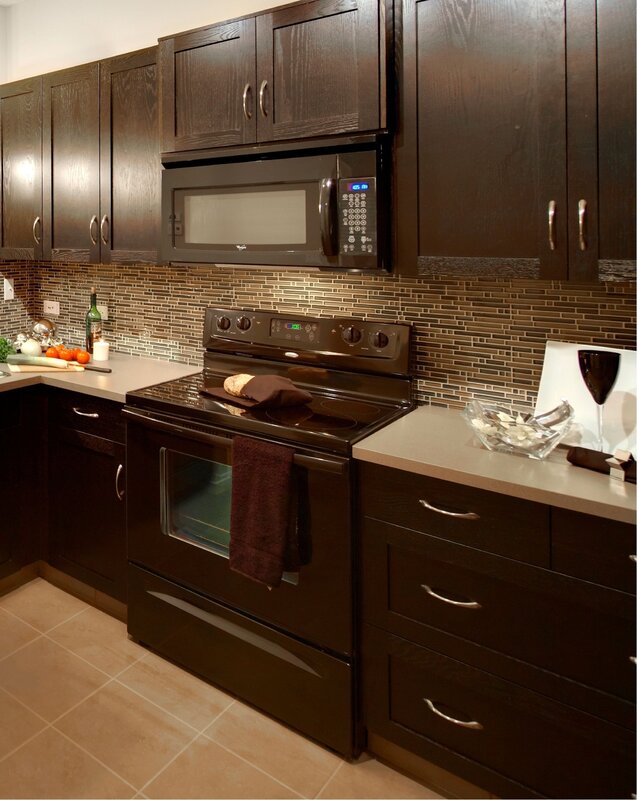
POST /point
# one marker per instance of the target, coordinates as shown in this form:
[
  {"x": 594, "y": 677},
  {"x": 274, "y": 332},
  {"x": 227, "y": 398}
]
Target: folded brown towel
[
  {"x": 264, "y": 391},
  {"x": 263, "y": 537},
  {"x": 596, "y": 460}
]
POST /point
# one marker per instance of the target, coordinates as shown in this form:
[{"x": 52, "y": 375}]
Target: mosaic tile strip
[{"x": 473, "y": 337}]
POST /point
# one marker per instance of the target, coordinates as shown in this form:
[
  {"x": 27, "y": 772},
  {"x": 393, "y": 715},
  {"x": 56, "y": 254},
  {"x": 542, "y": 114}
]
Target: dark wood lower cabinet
[
  {"x": 512, "y": 669},
  {"x": 87, "y": 513},
  {"x": 22, "y": 487}
]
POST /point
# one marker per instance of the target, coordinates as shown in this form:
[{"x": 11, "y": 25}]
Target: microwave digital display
[{"x": 357, "y": 187}]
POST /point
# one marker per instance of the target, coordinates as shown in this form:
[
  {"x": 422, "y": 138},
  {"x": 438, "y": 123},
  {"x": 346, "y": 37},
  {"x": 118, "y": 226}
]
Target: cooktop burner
[{"x": 355, "y": 372}]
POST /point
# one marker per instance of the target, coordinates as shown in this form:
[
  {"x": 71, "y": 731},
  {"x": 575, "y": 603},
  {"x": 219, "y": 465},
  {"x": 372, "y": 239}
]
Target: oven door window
[{"x": 196, "y": 498}]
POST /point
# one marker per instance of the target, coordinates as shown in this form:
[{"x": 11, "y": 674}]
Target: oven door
[{"x": 179, "y": 483}]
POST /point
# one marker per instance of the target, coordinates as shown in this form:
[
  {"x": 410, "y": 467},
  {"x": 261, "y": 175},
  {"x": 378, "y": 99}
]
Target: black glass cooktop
[{"x": 328, "y": 421}]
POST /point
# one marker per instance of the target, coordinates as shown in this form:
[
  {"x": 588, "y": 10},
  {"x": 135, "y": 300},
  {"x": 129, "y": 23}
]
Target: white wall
[
  {"x": 45, "y": 35},
  {"x": 3, "y": 46}
]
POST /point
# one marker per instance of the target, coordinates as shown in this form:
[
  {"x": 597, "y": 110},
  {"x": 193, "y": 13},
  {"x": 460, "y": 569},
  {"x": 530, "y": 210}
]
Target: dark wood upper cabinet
[
  {"x": 130, "y": 170},
  {"x": 498, "y": 137},
  {"x": 21, "y": 169},
  {"x": 307, "y": 70},
  {"x": 71, "y": 164},
  {"x": 101, "y": 161},
  {"x": 318, "y": 68},
  {"x": 208, "y": 87}
]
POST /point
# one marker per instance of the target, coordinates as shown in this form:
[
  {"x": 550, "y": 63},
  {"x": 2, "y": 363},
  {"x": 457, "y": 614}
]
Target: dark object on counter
[
  {"x": 595, "y": 460},
  {"x": 264, "y": 391},
  {"x": 96, "y": 369},
  {"x": 263, "y": 539}
]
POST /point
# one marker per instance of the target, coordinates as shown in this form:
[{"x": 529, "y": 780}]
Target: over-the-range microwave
[{"x": 324, "y": 208}]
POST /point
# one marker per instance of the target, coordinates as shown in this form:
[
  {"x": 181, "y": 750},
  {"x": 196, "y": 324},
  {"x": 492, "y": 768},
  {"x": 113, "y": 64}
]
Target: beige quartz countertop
[
  {"x": 437, "y": 442},
  {"x": 129, "y": 373}
]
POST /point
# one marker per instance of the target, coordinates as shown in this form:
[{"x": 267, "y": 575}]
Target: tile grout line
[{"x": 338, "y": 767}]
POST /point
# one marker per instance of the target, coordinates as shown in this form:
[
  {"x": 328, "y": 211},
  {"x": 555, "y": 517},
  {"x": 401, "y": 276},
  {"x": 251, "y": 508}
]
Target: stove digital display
[{"x": 294, "y": 330}]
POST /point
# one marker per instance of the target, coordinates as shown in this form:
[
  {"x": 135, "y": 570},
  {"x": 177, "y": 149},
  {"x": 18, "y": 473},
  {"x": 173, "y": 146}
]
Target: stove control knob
[
  {"x": 244, "y": 323},
  {"x": 380, "y": 340},
  {"x": 223, "y": 323},
  {"x": 351, "y": 335}
]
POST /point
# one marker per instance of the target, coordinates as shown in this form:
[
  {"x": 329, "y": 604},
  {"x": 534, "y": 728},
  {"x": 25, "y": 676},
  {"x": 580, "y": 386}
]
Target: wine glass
[{"x": 599, "y": 369}]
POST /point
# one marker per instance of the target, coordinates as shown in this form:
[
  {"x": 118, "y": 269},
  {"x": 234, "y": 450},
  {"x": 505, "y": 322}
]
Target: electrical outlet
[
  {"x": 9, "y": 290},
  {"x": 103, "y": 309},
  {"x": 52, "y": 307}
]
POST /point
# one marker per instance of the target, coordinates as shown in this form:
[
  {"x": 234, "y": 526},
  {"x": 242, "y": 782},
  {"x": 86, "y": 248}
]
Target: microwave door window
[{"x": 254, "y": 219}]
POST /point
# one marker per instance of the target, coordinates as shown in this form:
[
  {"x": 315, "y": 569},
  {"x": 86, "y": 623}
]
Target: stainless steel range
[{"x": 291, "y": 650}]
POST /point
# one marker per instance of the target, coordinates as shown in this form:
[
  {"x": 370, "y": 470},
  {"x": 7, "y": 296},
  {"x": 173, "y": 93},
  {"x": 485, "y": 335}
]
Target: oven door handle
[{"x": 309, "y": 462}]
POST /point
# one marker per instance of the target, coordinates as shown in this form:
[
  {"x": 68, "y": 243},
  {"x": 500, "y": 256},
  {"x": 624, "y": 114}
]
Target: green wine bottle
[{"x": 93, "y": 322}]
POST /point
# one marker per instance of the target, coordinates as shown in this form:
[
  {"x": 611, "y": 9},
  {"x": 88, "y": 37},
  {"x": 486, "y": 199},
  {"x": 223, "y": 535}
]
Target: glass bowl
[{"x": 518, "y": 432}]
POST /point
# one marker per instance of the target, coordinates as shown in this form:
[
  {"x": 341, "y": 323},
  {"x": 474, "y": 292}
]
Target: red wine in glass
[{"x": 599, "y": 369}]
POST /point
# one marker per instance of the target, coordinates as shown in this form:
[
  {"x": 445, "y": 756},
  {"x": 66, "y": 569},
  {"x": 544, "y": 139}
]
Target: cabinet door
[
  {"x": 319, "y": 69},
  {"x": 601, "y": 138},
  {"x": 130, "y": 170},
  {"x": 481, "y": 145},
  {"x": 21, "y": 169},
  {"x": 207, "y": 87},
  {"x": 87, "y": 539},
  {"x": 71, "y": 165},
  {"x": 11, "y": 483}
]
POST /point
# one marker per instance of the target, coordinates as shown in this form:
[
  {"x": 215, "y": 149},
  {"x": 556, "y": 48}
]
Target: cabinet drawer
[
  {"x": 593, "y": 548},
  {"x": 86, "y": 413},
  {"x": 570, "y": 627},
  {"x": 555, "y": 750},
  {"x": 486, "y": 520}
]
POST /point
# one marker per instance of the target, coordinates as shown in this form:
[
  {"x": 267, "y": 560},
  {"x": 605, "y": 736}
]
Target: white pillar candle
[{"x": 100, "y": 350}]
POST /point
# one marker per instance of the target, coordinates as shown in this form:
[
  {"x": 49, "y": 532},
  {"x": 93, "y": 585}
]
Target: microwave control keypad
[{"x": 357, "y": 216}]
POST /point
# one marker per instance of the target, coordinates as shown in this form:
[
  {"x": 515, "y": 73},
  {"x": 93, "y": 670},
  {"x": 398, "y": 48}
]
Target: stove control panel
[{"x": 368, "y": 345}]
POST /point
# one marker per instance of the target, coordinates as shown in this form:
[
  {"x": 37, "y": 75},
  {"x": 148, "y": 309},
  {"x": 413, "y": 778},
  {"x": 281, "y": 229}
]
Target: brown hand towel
[{"x": 263, "y": 541}]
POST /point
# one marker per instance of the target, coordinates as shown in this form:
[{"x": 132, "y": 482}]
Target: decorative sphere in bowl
[{"x": 518, "y": 432}]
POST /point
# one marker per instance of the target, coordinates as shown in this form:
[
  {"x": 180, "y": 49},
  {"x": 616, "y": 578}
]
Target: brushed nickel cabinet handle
[
  {"x": 633, "y": 659},
  {"x": 36, "y": 222},
  {"x": 120, "y": 469},
  {"x": 581, "y": 222},
  {"x": 104, "y": 226},
  {"x": 455, "y": 514},
  {"x": 472, "y": 725},
  {"x": 244, "y": 101},
  {"x": 552, "y": 225},
  {"x": 442, "y": 598},
  {"x": 632, "y": 557},
  {"x": 92, "y": 223},
  {"x": 262, "y": 88},
  {"x": 92, "y": 414}
]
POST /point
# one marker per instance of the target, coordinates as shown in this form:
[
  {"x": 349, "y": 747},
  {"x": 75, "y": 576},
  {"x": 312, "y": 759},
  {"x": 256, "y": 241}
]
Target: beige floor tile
[
  {"x": 41, "y": 604},
  {"x": 99, "y": 639},
  {"x": 127, "y": 733},
  {"x": 13, "y": 633},
  {"x": 287, "y": 756},
  {"x": 49, "y": 766},
  {"x": 178, "y": 692},
  {"x": 367, "y": 778},
  {"x": 206, "y": 770},
  {"x": 47, "y": 678},
  {"x": 17, "y": 724}
]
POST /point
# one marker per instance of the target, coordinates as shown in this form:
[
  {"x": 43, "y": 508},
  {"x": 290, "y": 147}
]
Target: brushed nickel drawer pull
[
  {"x": 552, "y": 225},
  {"x": 581, "y": 222},
  {"x": 460, "y": 603},
  {"x": 633, "y": 659},
  {"x": 632, "y": 557},
  {"x": 93, "y": 414},
  {"x": 455, "y": 514},
  {"x": 262, "y": 88},
  {"x": 37, "y": 222},
  {"x": 473, "y": 725},
  {"x": 92, "y": 223},
  {"x": 120, "y": 495},
  {"x": 244, "y": 101}
]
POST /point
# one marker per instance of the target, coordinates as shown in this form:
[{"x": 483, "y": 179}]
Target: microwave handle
[{"x": 327, "y": 211}]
